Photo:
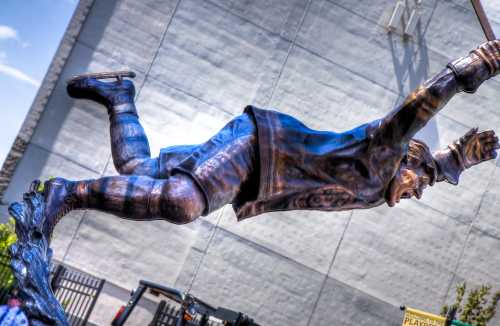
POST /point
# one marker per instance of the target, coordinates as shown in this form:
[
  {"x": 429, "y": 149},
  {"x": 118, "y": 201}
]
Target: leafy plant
[
  {"x": 478, "y": 309},
  {"x": 7, "y": 238},
  {"x": 7, "y": 235}
]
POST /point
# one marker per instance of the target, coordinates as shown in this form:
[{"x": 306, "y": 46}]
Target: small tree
[{"x": 479, "y": 307}]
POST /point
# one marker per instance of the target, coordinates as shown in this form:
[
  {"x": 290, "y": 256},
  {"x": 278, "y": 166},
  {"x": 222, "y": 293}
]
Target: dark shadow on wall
[{"x": 411, "y": 68}]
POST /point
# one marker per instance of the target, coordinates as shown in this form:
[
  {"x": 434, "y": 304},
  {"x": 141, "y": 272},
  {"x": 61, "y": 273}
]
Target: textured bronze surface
[
  {"x": 265, "y": 161},
  {"x": 31, "y": 261}
]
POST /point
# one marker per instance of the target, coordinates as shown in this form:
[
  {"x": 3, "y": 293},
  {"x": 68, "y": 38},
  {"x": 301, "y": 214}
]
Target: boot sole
[{"x": 103, "y": 75}]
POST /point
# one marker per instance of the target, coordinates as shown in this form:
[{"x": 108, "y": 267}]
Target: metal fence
[
  {"x": 167, "y": 315},
  {"x": 77, "y": 292}
]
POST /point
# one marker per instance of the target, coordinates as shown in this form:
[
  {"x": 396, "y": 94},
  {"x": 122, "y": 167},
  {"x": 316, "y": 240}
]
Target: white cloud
[
  {"x": 7, "y": 32},
  {"x": 18, "y": 74}
]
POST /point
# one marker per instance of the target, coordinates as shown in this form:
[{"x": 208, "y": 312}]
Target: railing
[
  {"x": 167, "y": 315},
  {"x": 77, "y": 292}
]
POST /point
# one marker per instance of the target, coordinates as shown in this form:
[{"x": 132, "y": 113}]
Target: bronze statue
[{"x": 266, "y": 161}]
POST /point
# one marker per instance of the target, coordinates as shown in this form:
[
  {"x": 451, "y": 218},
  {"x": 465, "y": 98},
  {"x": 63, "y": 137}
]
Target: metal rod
[{"x": 483, "y": 20}]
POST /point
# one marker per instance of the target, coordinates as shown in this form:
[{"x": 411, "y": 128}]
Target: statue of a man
[{"x": 264, "y": 161}]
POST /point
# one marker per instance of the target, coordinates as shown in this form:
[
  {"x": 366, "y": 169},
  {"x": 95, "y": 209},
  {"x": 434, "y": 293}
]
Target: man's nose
[{"x": 413, "y": 178}]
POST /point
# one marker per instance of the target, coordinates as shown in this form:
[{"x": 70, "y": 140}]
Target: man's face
[{"x": 408, "y": 182}]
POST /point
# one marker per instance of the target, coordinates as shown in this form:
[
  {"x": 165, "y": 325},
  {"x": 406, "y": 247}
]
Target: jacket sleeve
[
  {"x": 401, "y": 124},
  {"x": 464, "y": 74}
]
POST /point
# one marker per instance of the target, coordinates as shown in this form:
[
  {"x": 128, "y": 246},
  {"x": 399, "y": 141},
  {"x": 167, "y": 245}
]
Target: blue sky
[{"x": 30, "y": 31}]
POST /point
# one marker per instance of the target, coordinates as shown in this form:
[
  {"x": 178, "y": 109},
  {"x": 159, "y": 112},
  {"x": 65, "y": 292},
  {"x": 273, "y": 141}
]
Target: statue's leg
[
  {"x": 218, "y": 172},
  {"x": 129, "y": 144},
  {"x": 177, "y": 199}
]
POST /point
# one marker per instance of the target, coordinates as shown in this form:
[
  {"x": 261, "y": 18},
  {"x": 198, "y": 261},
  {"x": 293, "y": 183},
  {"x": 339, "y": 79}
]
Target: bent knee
[
  {"x": 145, "y": 167},
  {"x": 181, "y": 200}
]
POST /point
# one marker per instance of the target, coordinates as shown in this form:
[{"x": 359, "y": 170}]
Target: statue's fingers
[
  {"x": 468, "y": 135},
  {"x": 487, "y": 134},
  {"x": 472, "y": 131},
  {"x": 488, "y": 147},
  {"x": 493, "y": 140},
  {"x": 488, "y": 138},
  {"x": 491, "y": 155}
]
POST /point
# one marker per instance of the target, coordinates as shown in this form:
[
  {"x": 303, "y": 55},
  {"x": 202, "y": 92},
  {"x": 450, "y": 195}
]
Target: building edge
[{"x": 47, "y": 86}]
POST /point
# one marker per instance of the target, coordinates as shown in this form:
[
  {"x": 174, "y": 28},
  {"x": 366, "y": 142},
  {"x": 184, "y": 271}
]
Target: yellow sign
[{"x": 414, "y": 317}]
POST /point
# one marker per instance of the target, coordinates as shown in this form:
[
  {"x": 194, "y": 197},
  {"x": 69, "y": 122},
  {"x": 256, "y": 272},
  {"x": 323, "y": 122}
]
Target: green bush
[
  {"x": 7, "y": 235},
  {"x": 7, "y": 238},
  {"x": 478, "y": 309}
]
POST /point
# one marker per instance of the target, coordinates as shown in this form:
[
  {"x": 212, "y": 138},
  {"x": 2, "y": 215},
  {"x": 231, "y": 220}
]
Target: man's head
[{"x": 416, "y": 171}]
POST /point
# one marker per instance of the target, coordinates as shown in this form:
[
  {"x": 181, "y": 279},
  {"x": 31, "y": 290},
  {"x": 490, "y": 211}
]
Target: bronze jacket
[{"x": 302, "y": 168}]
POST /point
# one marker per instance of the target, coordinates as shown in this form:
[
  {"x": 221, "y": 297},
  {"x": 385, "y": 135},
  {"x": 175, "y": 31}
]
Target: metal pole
[{"x": 483, "y": 20}]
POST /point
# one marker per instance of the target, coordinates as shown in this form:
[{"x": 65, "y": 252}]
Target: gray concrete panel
[
  {"x": 401, "y": 255},
  {"x": 359, "y": 45},
  {"x": 307, "y": 237},
  {"x": 343, "y": 305},
  {"x": 241, "y": 275},
  {"x": 477, "y": 110},
  {"x": 37, "y": 163},
  {"x": 125, "y": 251},
  {"x": 326, "y": 96},
  {"x": 462, "y": 201},
  {"x": 64, "y": 233},
  {"x": 377, "y": 11},
  {"x": 279, "y": 16},
  {"x": 218, "y": 57},
  {"x": 454, "y": 30},
  {"x": 127, "y": 31},
  {"x": 480, "y": 264},
  {"x": 172, "y": 117},
  {"x": 487, "y": 216}
]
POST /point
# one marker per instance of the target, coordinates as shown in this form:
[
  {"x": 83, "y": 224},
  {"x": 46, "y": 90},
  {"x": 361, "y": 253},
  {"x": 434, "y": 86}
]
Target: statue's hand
[
  {"x": 490, "y": 53},
  {"x": 474, "y": 147},
  {"x": 480, "y": 65}
]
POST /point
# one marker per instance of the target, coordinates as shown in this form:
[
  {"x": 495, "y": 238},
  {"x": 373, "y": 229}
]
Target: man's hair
[{"x": 419, "y": 154}]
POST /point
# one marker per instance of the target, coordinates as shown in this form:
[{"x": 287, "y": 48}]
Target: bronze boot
[{"x": 108, "y": 93}]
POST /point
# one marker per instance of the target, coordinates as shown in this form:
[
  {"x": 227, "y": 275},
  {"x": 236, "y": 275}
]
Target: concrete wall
[{"x": 330, "y": 63}]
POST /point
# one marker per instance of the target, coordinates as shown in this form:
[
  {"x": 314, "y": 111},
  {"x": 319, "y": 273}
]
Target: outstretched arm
[
  {"x": 464, "y": 74},
  {"x": 471, "y": 149}
]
